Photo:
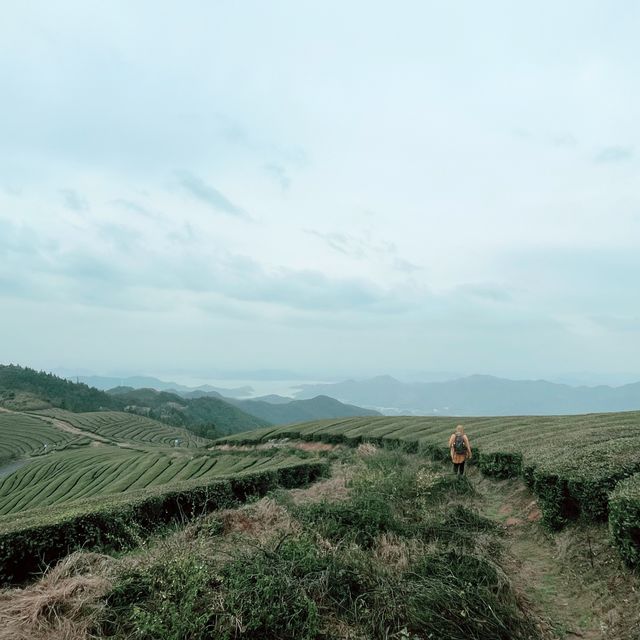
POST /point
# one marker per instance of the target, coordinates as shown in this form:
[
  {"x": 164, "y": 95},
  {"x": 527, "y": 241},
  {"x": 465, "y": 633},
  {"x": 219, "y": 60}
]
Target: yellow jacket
[{"x": 457, "y": 458}]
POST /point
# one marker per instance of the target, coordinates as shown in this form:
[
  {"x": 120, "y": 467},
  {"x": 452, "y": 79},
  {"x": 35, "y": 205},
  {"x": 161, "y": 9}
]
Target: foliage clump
[{"x": 401, "y": 556}]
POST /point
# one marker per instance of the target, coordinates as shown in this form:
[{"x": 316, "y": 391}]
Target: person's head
[{"x": 460, "y": 429}]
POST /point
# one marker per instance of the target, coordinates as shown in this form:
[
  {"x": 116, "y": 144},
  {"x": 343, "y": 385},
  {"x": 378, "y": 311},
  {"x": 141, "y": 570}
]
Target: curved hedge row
[
  {"x": 119, "y": 426},
  {"x": 105, "y": 470},
  {"x": 25, "y": 435},
  {"x": 31, "y": 540},
  {"x": 624, "y": 519},
  {"x": 572, "y": 463}
]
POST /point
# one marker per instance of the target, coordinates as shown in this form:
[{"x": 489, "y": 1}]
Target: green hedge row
[
  {"x": 624, "y": 519},
  {"x": 30, "y": 541},
  {"x": 500, "y": 464}
]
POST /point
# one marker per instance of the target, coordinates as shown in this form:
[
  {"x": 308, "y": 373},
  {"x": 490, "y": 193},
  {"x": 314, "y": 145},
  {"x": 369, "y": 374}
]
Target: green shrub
[
  {"x": 500, "y": 464},
  {"x": 268, "y": 594},
  {"x": 170, "y": 600},
  {"x": 624, "y": 519},
  {"x": 358, "y": 520},
  {"x": 29, "y": 541},
  {"x": 459, "y": 596}
]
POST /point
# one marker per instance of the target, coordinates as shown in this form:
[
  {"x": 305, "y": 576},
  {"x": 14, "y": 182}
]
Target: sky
[{"x": 332, "y": 188}]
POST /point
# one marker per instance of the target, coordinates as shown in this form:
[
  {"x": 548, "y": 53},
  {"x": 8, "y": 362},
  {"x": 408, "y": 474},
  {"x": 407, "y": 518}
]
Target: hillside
[
  {"x": 379, "y": 550},
  {"x": 24, "y": 389},
  {"x": 478, "y": 395},
  {"x": 301, "y": 410},
  {"x": 203, "y": 415}
]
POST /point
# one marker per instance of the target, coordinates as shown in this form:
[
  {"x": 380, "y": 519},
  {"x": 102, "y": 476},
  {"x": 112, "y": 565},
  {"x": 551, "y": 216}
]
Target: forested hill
[
  {"x": 196, "y": 414},
  {"x": 22, "y": 388},
  {"x": 25, "y": 389}
]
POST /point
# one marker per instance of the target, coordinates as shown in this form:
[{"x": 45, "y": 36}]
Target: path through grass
[{"x": 574, "y": 579}]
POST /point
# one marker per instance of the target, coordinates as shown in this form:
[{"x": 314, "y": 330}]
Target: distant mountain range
[
  {"x": 291, "y": 411},
  {"x": 206, "y": 413},
  {"x": 105, "y": 383},
  {"x": 478, "y": 395}
]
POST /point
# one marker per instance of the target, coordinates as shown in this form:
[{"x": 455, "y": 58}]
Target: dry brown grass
[
  {"x": 335, "y": 488},
  {"x": 395, "y": 552},
  {"x": 260, "y": 521},
  {"x": 63, "y": 605},
  {"x": 366, "y": 449},
  {"x": 277, "y": 444}
]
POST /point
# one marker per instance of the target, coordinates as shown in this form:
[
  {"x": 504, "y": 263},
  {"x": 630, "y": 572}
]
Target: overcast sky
[{"x": 329, "y": 187}]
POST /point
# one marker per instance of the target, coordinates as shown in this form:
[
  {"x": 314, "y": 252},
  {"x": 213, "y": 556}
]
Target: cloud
[
  {"x": 74, "y": 201},
  {"x": 200, "y": 190},
  {"x": 364, "y": 248},
  {"x": 134, "y": 207},
  {"x": 278, "y": 173},
  {"x": 400, "y": 264},
  {"x": 339, "y": 242},
  {"x": 618, "y": 323},
  {"x": 564, "y": 140},
  {"x": 614, "y": 154},
  {"x": 485, "y": 291}
]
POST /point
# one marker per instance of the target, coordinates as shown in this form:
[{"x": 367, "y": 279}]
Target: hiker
[{"x": 460, "y": 450}]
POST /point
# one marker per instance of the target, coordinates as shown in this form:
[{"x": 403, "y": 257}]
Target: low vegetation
[
  {"x": 572, "y": 463},
  {"x": 624, "y": 519},
  {"x": 31, "y": 539},
  {"x": 118, "y": 427},
  {"x": 22, "y": 435},
  {"x": 427, "y": 566}
]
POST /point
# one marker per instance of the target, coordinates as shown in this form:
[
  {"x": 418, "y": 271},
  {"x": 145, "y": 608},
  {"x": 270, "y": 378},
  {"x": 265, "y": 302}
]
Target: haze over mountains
[
  {"x": 478, "y": 395},
  {"x": 437, "y": 393}
]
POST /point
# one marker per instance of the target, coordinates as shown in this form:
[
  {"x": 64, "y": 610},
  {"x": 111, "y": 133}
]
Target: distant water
[
  {"x": 287, "y": 388},
  {"x": 10, "y": 467}
]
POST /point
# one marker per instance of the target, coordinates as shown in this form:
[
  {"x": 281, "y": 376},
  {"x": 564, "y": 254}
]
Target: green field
[
  {"x": 118, "y": 427},
  {"x": 22, "y": 435},
  {"x": 572, "y": 462},
  {"x": 58, "y": 478}
]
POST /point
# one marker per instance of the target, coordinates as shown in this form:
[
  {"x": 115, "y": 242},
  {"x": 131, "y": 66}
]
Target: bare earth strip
[
  {"x": 69, "y": 428},
  {"x": 573, "y": 579}
]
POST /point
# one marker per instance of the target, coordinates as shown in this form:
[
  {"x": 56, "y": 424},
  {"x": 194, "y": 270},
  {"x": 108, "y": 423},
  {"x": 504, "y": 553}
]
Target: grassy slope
[
  {"x": 22, "y": 435},
  {"x": 25, "y": 389},
  {"x": 189, "y": 413},
  {"x": 571, "y": 462},
  {"x": 298, "y": 567},
  {"x": 106, "y": 470},
  {"x": 122, "y": 427}
]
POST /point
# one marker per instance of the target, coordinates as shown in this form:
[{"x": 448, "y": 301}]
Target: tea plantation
[
  {"x": 117, "y": 426},
  {"x": 21, "y": 435},
  {"x": 94, "y": 479},
  {"x": 107, "y": 470},
  {"x": 572, "y": 463}
]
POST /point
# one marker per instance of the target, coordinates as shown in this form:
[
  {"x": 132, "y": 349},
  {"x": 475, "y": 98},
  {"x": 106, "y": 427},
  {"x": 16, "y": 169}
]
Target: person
[{"x": 460, "y": 450}]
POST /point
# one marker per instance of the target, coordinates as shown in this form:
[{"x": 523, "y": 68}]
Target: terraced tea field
[
  {"x": 117, "y": 427},
  {"x": 91, "y": 472},
  {"x": 22, "y": 435},
  {"x": 572, "y": 462}
]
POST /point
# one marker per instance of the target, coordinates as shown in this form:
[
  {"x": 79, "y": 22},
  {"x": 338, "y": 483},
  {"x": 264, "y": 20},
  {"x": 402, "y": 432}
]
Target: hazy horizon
[{"x": 345, "y": 189}]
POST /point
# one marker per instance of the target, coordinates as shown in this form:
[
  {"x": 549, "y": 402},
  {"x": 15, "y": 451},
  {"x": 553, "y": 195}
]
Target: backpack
[{"x": 459, "y": 445}]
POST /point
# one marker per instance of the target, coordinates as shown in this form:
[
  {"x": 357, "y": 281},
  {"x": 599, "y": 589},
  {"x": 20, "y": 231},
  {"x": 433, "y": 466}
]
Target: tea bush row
[
  {"x": 106, "y": 470},
  {"x": 31, "y": 540},
  {"x": 572, "y": 463},
  {"x": 119, "y": 426}
]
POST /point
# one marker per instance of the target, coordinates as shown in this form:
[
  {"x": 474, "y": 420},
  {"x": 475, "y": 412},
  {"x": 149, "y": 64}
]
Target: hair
[{"x": 460, "y": 429}]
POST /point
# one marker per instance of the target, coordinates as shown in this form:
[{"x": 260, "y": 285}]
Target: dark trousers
[{"x": 458, "y": 468}]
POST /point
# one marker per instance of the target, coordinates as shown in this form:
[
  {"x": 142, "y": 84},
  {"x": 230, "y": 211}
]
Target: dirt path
[
  {"x": 574, "y": 579},
  {"x": 69, "y": 428}
]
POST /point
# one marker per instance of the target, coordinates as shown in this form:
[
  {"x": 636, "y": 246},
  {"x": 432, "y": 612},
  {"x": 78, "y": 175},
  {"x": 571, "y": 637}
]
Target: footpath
[{"x": 573, "y": 579}]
